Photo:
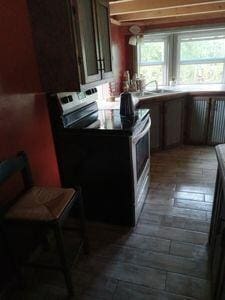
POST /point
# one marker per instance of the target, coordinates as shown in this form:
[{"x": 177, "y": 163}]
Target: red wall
[
  {"x": 118, "y": 55},
  {"x": 24, "y": 121}
]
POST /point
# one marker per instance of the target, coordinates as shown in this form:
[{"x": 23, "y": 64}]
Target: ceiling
[{"x": 159, "y": 12}]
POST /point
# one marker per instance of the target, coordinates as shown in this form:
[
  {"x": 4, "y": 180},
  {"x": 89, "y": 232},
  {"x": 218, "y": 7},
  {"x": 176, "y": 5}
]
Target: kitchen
[{"x": 65, "y": 47}]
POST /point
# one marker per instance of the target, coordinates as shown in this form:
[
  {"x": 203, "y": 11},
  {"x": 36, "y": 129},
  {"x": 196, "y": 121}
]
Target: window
[
  {"x": 152, "y": 56},
  {"x": 196, "y": 57},
  {"x": 200, "y": 59}
]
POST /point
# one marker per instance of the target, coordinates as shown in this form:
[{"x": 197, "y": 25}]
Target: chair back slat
[{"x": 16, "y": 164}]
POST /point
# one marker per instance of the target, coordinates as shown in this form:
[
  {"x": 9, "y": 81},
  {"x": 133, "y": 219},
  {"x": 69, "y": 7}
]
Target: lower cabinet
[
  {"x": 193, "y": 120},
  {"x": 156, "y": 125},
  {"x": 216, "y": 133},
  {"x": 173, "y": 122},
  {"x": 197, "y": 120},
  {"x": 167, "y": 123},
  {"x": 206, "y": 120}
]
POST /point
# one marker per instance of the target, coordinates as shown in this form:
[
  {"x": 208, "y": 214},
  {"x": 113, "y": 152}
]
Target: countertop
[{"x": 175, "y": 92}]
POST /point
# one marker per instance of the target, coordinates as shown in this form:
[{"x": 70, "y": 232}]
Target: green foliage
[
  {"x": 152, "y": 52},
  {"x": 205, "y": 49},
  {"x": 201, "y": 73},
  {"x": 152, "y": 73}
]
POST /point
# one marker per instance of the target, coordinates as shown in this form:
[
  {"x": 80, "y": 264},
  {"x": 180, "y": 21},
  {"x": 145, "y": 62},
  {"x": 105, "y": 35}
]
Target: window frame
[
  {"x": 172, "y": 52},
  {"x": 156, "y": 38}
]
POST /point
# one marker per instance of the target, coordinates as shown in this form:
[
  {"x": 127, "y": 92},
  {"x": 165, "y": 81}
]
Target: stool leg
[
  {"x": 9, "y": 253},
  {"x": 83, "y": 225},
  {"x": 62, "y": 256}
]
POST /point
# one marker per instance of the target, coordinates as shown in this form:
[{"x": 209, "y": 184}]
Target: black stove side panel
[{"x": 102, "y": 165}]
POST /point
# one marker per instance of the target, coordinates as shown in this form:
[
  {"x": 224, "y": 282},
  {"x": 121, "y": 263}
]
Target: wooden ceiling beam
[
  {"x": 173, "y": 12},
  {"x": 119, "y": 8},
  {"x": 178, "y": 19}
]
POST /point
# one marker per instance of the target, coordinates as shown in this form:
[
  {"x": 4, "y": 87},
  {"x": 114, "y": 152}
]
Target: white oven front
[{"x": 141, "y": 165}]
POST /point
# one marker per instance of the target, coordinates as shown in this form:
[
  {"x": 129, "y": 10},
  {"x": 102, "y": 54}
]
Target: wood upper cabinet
[
  {"x": 102, "y": 11},
  {"x": 72, "y": 43},
  {"x": 173, "y": 122},
  {"x": 87, "y": 39}
]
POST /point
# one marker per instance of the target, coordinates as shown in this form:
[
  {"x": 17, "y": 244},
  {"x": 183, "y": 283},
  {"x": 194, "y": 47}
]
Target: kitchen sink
[
  {"x": 152, "y": 93},
  {"x": 144, "y": 94},
  {"x": 162, "y": 91}
]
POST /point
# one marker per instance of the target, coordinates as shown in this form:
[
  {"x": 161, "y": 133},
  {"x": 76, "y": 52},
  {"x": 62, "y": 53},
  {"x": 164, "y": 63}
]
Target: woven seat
[{"x": 41, "y": 204}]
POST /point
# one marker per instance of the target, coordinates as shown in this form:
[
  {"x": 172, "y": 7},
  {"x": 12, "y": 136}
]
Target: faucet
[{"x": 156, "y": 85}]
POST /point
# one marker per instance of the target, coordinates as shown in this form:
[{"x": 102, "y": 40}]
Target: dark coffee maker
[{"x": 126, "y": 104}]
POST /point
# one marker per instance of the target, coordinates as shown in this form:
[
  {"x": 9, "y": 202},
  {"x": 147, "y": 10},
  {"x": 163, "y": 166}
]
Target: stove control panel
[{"x": 70, "y": 101}]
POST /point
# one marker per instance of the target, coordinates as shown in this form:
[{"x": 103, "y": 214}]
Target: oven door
[{"x": 141, "y": 166}]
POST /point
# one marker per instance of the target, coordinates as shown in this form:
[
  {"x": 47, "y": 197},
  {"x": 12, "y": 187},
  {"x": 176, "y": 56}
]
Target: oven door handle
[{"x": 142, "y": 133}]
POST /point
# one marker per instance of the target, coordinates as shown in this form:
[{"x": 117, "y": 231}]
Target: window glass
[
  {"x": 152, "y": 52},
  {"x": 152, "y": 60},
  {"x": 201, "y": 73},
  {"x": 152, "y": 73},
  {"x": 202, "y": 49},
  {"x": 200, "y": 59}
]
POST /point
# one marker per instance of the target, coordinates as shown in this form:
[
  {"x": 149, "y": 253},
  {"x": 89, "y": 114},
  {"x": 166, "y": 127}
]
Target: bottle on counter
[
  {"x": 126, "y": 76},
  {"x": 126, "y": 86},
  {"x": 173, "y": 82}
]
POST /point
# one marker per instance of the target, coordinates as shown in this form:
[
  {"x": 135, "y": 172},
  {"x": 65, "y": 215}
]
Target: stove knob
[
  {"x": 64, "y": 100},
  {"x": 88, "y": 92}
]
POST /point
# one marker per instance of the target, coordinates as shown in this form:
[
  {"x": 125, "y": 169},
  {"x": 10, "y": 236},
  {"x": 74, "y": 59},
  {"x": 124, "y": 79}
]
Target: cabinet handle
[{"x": 101, "y": 64}]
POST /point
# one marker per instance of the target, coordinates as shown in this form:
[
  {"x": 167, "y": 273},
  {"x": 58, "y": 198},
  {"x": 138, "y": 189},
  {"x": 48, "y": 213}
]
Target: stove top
[{"x": 110, "y": 119}]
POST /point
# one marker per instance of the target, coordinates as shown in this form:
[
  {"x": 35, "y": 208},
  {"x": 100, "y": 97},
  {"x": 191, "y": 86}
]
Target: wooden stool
[{"x": 44, "y": 207}]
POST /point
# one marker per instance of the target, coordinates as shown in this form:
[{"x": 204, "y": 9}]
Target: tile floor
[{"x": 164, "y": 257}]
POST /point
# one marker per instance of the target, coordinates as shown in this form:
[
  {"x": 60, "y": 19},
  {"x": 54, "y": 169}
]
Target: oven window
[{"x": 142, "y": 154}]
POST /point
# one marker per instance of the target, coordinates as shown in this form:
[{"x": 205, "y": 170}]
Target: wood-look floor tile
[
  {"x": 193, "y": 204},
  {"x": 177, "y": 222},
  {"x": 188, "y": 286},
  {"x": 160, "y": 261},
  {"x": 209, "y": 198},
  {"x": 175, "y": 211},
  {"x": 176, "y": 234},
  {"x": 127, "y": 291},
  {"x": 126, "y": 272},
  {"x": 100, "y": 287},
  {"x": 189, "y": 250},
  {"x": 189, "y": 196},
  {"x": 197, "y": 188}
]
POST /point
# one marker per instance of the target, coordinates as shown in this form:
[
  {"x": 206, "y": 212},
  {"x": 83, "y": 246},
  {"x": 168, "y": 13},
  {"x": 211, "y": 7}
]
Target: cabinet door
[
  {"x": 53, "y": 36},
  {"x": 217, "y": 121},
  {"x": 197, "y": 120},
  {"x": 102, "y": 11},
  {"x": 87, "y": 35},
  {"x": 156, "y": 126},
  {"x": 173, "y": 122}
]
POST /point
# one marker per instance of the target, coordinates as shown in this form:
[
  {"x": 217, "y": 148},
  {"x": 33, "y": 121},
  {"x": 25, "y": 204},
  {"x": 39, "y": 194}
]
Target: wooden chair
[{"x": 42, "y": 207}]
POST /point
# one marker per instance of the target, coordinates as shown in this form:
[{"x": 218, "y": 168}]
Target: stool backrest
[{"x": 16, "y": 164}]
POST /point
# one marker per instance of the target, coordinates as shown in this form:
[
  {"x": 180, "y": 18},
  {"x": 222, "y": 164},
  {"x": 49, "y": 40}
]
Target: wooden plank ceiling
[{"x": 156, "y": 12}]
